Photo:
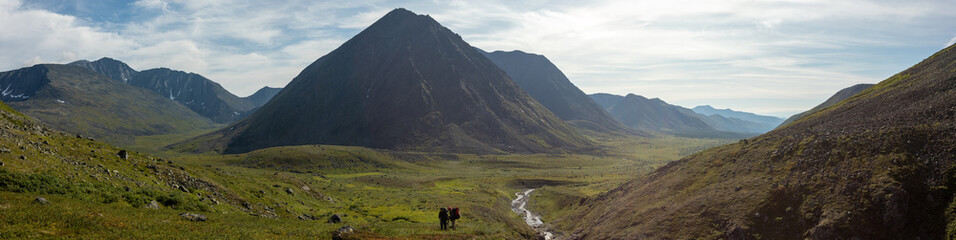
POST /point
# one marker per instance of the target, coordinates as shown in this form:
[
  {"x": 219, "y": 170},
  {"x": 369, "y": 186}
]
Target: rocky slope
[
  {"x": 408, "y": 83},
  {"x": 839, "y": 96},
  {"x": 877, "y": 165}
]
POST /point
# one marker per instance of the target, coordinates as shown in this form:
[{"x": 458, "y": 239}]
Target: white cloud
[{"x": 771, "y": 57}]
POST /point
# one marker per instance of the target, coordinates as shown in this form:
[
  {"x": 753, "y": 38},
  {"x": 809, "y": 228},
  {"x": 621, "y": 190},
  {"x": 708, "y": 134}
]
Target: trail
[{"x": 534, "y": 220}]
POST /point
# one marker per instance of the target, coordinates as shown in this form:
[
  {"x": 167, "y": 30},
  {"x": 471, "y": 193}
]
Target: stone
[
  {"x": 195, "y": 217},
  {"x": 288, "y": 190},
  {"x": 335, "y": 218},
  {"x": 343, "y": 233},
  {"x": 123, "y": 154},
  {"x": 152, "y": 205},
  {"x": 41, "y": 200},
  {"x": 307, "y": 217}
]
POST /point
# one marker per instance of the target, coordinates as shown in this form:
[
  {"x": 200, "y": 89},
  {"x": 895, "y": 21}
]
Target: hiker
[
  {"x": 455, "y": 215},
  {"x": 443, "y": 218}
]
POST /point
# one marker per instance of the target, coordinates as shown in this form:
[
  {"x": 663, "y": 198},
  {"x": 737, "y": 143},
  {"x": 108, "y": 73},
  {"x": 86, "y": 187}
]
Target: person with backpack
[
  {"x": 455, "y": 215},
  {"x": 443, "y": 218}
]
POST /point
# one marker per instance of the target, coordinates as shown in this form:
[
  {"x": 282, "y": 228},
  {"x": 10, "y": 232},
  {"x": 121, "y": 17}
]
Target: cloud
[{"x": 771, "y": 57}]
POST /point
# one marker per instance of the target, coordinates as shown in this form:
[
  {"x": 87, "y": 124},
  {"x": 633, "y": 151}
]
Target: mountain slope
[
  {"x": 605, "y": 100},
  {"x": 262, "y": 96},
  {"x": 839, "y": 96},
  {"x": 541, "y": 79},
  {"x": 405, "y": 82},
  {"x": 878, "y": 165},
  {"x": 78, "y": 100},
  {"x": 112, "y": 68},
  {"x": 638, "y": 112},
  {"x": 759, "y": 123},
  {"x": 194, "y": 91}
]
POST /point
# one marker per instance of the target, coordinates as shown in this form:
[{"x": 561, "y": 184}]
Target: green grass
[{"x": 383, "y": 194}]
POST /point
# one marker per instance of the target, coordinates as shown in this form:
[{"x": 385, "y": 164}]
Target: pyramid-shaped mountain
[
  {"x": 877, "y": 165},
  {"x": 541, "y": 79},
  {"x": 406, "y": 82}
]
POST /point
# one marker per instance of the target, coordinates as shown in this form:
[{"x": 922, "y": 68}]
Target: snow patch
[{"x": 60, "y": 101}]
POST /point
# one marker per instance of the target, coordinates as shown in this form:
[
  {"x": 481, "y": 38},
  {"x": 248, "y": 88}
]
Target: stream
[{"x": 534, "y": 220}]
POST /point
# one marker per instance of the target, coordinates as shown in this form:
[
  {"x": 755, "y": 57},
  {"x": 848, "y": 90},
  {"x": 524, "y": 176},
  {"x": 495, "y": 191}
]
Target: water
[{"x": 534, "y": 220}]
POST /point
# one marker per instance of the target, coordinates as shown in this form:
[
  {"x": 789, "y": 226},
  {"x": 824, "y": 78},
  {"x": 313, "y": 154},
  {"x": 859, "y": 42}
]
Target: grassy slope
[
  {"x": 105, "y": 109},
  {"x": 876, "y": 165},
  {"x": 384, "y": 194}
]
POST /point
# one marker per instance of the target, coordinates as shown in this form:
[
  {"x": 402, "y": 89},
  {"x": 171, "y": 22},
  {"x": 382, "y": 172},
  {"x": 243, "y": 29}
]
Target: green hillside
[{"x": 80, "y": 101}]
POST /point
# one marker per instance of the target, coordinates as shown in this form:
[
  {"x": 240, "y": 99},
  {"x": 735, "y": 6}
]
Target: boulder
[
  {"x": 123, "y": 154},
  {"x": 152, "y": 205},
  {"x": 41, "y": 200},
  {"x": 344, "y": 232},
  {"x": 195, "y": 217},
  {"x": 335, "y": 218}
]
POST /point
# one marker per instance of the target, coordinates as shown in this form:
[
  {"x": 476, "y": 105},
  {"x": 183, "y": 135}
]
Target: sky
[{"x": 768, "y": 57}]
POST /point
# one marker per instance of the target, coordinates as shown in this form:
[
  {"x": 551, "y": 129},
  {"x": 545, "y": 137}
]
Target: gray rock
[
  {"x": 123, "y": 154},
  {"x": 41, "y": 200},
  {"x": 343, "y": 233},
  {"x": 152, "y": 205},
  {"x": 307, "y": 217},
  {"x": 195, "y": 217},
  {"x": 288, "y": 190}
]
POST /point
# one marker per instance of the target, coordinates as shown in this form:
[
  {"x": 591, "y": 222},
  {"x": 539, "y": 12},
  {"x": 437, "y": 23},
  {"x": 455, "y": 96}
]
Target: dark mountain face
[
  {"x": 605, "y": 100},
  {"x": 112, "y": 68},
  {"x": 748, "y": 122},
  {"x": 541, "y": 79},
  {"x": 262, "y": 96},
  {"x": 405, "y": 82},
  {"x": 836, "y": 98},
  {"x": 20, "y": 85},
  {"x": 194, "y": 91},
  {"x": 877, "y": 165},
  {"x": 75, "y": 99}
]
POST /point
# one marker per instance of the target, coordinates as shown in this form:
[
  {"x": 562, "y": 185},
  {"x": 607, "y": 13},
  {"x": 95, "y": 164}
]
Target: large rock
[
  {"x": 195, "y": 217},
  {"x": 345, "y": 232},
  {"x": 41, "y": 200}
]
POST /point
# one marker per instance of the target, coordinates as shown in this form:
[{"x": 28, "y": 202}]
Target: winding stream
[{"x": 534, "y": 220}]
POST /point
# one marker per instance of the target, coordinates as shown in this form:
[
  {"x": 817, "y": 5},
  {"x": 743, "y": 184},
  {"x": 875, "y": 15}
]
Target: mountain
[
  {"x": 833, "y": 100},
  {"x": 262, "y": 96},
  {"x": 541, "y": 79},
  {"x": 877, "y": 165},
  {"x": 605, "y": 100},
  {"x": 78, "y": 100},
  {"x": 638, "y": 112},
  {"x": 407, "y": 83},
  {"x": 196, "y": 92},
  {"x": 762, "y": 123},
  {"x": 112, "y": 68}
]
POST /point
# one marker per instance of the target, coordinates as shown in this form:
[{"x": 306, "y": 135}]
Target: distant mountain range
[
  {"x": 194, "y": 91},
  {"x": 877, "y": 165},
  {"x": 656, "y": 115},
  {"x": 839, "y": 96},
  {"x": 541, "y": 79},
  {"x": 75, "y": 99},
  {"x": 406, "y": 83}
]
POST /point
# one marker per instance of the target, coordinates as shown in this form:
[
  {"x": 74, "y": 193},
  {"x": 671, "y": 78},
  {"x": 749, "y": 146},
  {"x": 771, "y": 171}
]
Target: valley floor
[{"x": 291, "y": 192}]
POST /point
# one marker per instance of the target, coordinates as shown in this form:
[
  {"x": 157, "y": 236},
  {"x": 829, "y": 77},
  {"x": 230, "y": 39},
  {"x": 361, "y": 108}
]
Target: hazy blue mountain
[
  {"x": 263, "y": 96},
  {"x": 752, "y": 123}
]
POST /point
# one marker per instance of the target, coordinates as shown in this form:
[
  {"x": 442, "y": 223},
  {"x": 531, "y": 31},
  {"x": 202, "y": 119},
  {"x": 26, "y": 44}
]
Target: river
[{"x": 534, "y": 220}]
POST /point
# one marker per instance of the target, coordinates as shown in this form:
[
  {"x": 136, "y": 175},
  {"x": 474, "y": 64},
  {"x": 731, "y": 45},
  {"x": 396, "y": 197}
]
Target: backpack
[{"x": 455, "y": 214}]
